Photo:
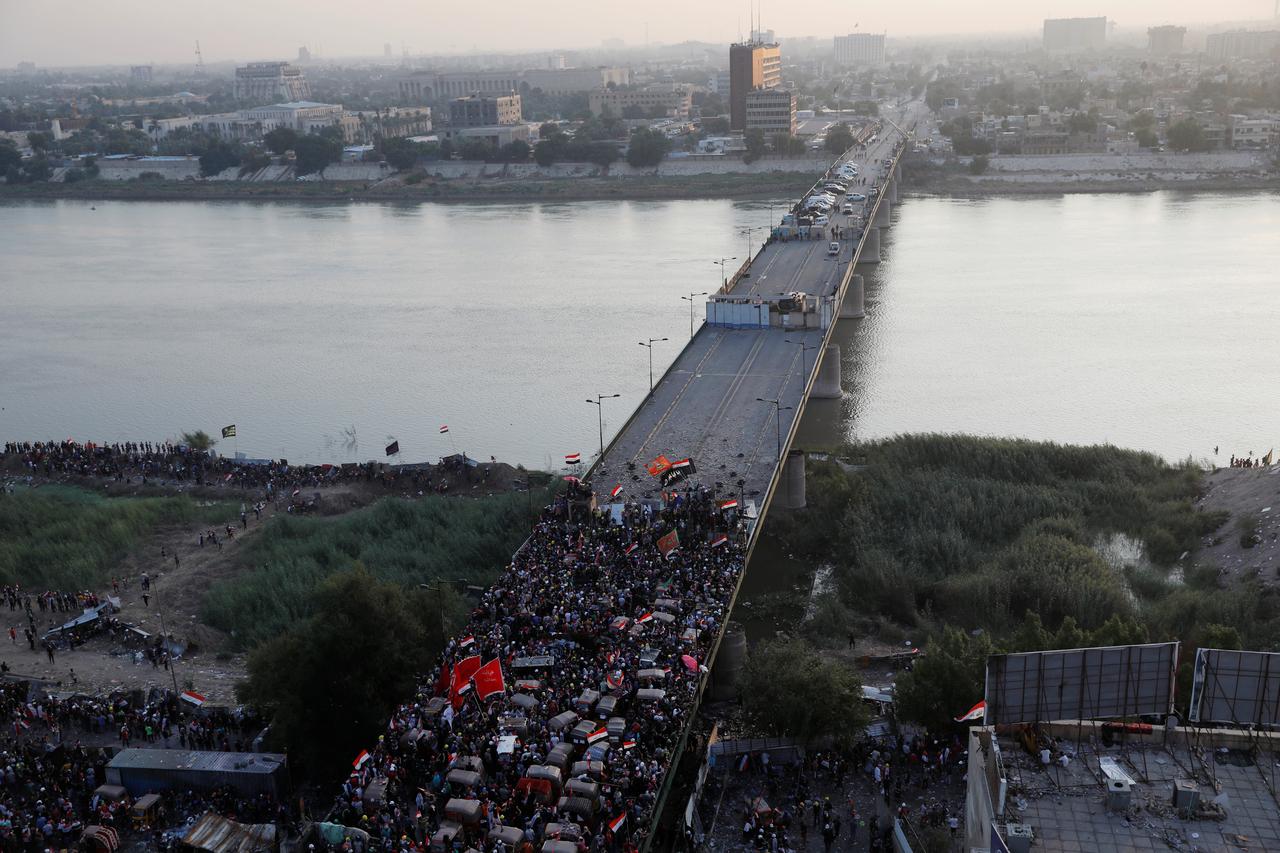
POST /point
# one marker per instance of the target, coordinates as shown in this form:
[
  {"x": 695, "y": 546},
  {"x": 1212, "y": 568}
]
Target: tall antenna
[{"x": 199, "y": 58}]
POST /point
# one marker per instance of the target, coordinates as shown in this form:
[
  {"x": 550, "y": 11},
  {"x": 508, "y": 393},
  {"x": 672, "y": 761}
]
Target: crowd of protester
[
  {"x": 165, "y": 462},
  {"x": 594, "y": 591}
]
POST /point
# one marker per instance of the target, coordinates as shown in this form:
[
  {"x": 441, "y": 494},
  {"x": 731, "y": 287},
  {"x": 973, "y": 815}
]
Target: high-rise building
[
  {"x": 304, "y": 54},
  {"x": 751, "y": 66},
  {"x": 772, "y": 111},
  {"x": 763, "y": 37},
  {"x": 1166, "y": 40},
  {"x": 271, "y": 81},
  {"x": 1243, "y": 44},
  {"x": 860, "y": 49},
  {"x": 1070, "y": 34},
  {"x": 484, "y": 111},
  {"x": 386, "y": 50},
  {"x": 140, "y": 73}
]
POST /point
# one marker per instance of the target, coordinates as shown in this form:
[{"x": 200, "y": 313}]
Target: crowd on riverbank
[
  {"x": 165, "y": 463},
  {"x": 596, "y": 608}
]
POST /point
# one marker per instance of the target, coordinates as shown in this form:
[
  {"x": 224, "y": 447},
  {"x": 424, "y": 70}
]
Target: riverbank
[
  {"x": 962, "y": 187},
  {"x": 655, "y": 188}
]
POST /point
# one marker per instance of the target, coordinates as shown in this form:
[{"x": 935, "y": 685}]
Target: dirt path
[{"x": 1244, "y": 492}]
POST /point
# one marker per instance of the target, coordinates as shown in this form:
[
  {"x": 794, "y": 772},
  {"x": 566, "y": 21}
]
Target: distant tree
[
  {"x": 401, "y": 153},
  {"x": 38, "y": 169},
  {"x": 647, "y": 148},
  {"x": 254, "y": 160},
  {"x": 789, "y": 690},
  {"x": 756, "y": 145},
  {"x": 198, "y": 440},
  {"x": 217, "y": 157},
  {"x": 39, "y": 142},
  {"x": 516, "y": 151},
  {"x": 839, "y": 139},
  {"x": 866, "y": 108},
  {"x": 633, "y": 112},
  {"x": 476, "y": 149},
  {"x": 549, "y": 150},
  {"x": 281, "y": 139},
  {"x": 313, "y": 152},
  {"x": 978, "y": 165},
  {"x": 329, "y": 684},
  {"x": 549, "y": 129},
  {"x": 656, "y": 111},
  {"x": 9, "y": 155},
  {"x": 787, "y": 145},
  {"x": 1146, "y": 137},
  {"x": 715, "y": 126},
  {"x": 1082, "y": 123},
  {"x": 1187, "y": 135}
]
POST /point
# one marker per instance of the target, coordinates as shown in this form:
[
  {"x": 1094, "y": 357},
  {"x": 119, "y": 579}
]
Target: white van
[{"x": 833, "y": 248}]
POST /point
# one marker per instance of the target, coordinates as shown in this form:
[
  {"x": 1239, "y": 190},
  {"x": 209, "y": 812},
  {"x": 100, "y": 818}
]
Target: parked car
[
  {"x": 848, "y": 210},
  {"x": 855, "y": 197},
  {"x": 822, "y": 220}
]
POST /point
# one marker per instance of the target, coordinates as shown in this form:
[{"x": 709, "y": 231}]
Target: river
[{"x": 325, "y": 331}]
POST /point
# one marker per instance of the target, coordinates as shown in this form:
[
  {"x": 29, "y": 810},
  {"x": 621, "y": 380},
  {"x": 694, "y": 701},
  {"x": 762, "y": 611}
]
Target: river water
[{"x": 1147, "y": 321}]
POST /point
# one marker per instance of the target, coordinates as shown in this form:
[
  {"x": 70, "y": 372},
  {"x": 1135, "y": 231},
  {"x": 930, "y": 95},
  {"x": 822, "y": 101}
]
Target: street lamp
[
  {"x": 749, "y": 230},
  {"x": 437, "y": 587},
  {"x": 690, "y": 299},
  {"x": 724, "y": 280},
  {"x": 804, "y": 348},
  {"x": 600, "y": 413},
  {"x": 777, "y": 411},
  {"x": 649, "y": 347}
]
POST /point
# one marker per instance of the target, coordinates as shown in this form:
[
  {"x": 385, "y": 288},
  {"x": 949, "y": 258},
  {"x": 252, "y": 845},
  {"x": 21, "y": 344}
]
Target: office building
[
  {"x": 1165, "y": 41},
  {"x": 1073, "y": 34},
  {"x": 669, "y": 100},
  {"x": 1243, "y": 44},
  {"x": 772, "y": 111},
  {"x": 484, "y": 111},
  {"x": 751, "y": 66},
  {"x": 860, "y": 49},
  {"x": 266, "y": 81},
  {"x": 140, "y": 73}
]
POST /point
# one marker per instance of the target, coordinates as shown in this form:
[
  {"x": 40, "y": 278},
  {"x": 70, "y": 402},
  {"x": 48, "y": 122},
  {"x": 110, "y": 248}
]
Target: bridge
[{"x": 733, "y": 399}]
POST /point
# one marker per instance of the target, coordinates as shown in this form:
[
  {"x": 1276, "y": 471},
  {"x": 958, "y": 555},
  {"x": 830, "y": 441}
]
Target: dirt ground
[
  {"x": 1244, "y": 492},
  {"x": 177, "y": 591}
]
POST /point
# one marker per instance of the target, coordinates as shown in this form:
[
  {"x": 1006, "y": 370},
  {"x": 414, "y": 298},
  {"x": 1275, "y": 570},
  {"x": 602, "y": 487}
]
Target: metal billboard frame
[
  {"x": 1238, "y": 687},
  {"x": 1081, "y": 684}
]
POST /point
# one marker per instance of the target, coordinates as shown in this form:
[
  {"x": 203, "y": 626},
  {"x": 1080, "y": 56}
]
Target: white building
[
  {"x": 262, "y": 81},
  {"x": 431, "y": 87},
  {"x": 860, "y": 49},
  {"x": 772, "y": 111}
]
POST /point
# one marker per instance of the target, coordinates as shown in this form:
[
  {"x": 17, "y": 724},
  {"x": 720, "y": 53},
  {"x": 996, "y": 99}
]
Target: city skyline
[{"x": 130, "y": 32}]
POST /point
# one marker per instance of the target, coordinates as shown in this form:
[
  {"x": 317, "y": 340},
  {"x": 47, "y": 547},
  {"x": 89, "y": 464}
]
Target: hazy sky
[{"x": 138, "y": 31}]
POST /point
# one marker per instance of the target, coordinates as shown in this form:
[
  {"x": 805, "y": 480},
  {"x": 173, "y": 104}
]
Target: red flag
[
  {"x": 360, "y": 759},
  {"x": 489, "y": 680},
  {"x": 669, "y": 543},
  {"x": 977, "y": 712},
  {"x": 463, "y": 671},
  {"x": 658, "y": 466}
]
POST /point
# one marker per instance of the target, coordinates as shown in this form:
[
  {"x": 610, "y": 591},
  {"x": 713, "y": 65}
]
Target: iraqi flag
[
  {"x": 229, "y": 431},
  {"x": 629, "y": 743},
  {"x": 669, "y": 543},
  {"x": 617, "y": 822},
  {"x": 614, "y": 679},
  {"x": 679, "y": 471},
  {"x": 732, "y": 503},
  {"x": 193, "y": 697},
  {"x": 977, "y": 712},
  {"x": 572, "y": 458},
  {"x": 617, "y": 490},
  {"x": 393, "y": 448},
  {"x": 719, "y": 540},
  {"x": 648, "y": 617},
  {"x": 489, "y": 681},
  {"x": 599, "y": 734},
  {"x": 631, "y": 548},
  {"x": 466, "y": 641},
  {"x": 444, "y": 428},
  {"x": 361, "y": 759}
]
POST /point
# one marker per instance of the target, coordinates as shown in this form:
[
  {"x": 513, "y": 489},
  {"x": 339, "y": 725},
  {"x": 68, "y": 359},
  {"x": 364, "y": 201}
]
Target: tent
[{"x": 217, "y": 834}]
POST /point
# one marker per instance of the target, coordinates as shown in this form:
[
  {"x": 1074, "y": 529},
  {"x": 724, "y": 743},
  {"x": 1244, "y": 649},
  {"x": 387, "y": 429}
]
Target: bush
[
  {"x": 978, "y": 165},
  {"x": 788, "y": 690}
]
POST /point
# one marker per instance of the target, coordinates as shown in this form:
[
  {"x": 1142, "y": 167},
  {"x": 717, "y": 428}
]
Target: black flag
[
  {"x": 393, "y": 448},
  {"x": 229, "y": 431}
]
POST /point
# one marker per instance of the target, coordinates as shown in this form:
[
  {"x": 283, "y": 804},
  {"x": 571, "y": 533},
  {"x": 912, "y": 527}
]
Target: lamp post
[
  {"x": 600, "y": 414},
  {"x": 724, "y": 279},
  {"x": 690, "y": 299},
  {"x": 437, "y": 587},
  {"x": 749, "y": 230},
  {"x": 777, "y": 411},
  {"x": 649, "y": 347},
  {"x": 804, "y": 348}
]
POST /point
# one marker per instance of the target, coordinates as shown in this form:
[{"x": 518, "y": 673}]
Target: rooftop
[
  {"x": 1108, "y": 791},
  {"x": 180, "y": 759}
]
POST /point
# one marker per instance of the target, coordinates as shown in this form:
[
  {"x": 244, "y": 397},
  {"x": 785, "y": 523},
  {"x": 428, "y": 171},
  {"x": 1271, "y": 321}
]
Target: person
[{"x": 146, "y": 599}]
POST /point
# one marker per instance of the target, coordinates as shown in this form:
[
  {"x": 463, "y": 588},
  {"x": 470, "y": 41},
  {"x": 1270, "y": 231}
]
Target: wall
[
  {"x": 172, "y": 170},
  {"x": 668, "y": 168}
]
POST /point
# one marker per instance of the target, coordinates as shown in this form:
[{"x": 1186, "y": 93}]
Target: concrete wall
[
  {"x": 1213, "y": 161},
  {"x": 172, "y": 170},
  {"x": 667, "y": 168}
]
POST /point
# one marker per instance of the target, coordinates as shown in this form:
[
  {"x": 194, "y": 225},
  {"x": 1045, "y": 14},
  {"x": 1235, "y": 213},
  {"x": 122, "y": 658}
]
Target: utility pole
[
  {"x": 649, "y": 346},
  {"x": 777, "y": 411},
  {"x": 599, "y": 404},
  {"x": 690, "y": 299}
]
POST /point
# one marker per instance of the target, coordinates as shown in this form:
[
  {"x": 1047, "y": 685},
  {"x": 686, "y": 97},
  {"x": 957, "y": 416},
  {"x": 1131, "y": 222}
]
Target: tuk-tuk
[{"x": 145, "y": 811}]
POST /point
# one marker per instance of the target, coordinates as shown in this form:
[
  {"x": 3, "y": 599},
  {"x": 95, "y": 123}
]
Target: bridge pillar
[
  {"x": 871, "y": 248},
  {"x": 897, "y": 171},
  {"x": 884, "y": 213},
  {"x": 827, "y": 385},
  {"x": 729, "y": 663},
  {"x": 791, "y": 487},
  {"x": 893, "y": 191},
  {"x": 854, "y": 304}
]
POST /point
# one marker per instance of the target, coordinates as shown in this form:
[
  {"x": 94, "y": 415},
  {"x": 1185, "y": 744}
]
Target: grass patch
[
  {"x": 404, "y": 542},
  {"x": 975, "y": 532},
  {"x": 59, "y": 537}
]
